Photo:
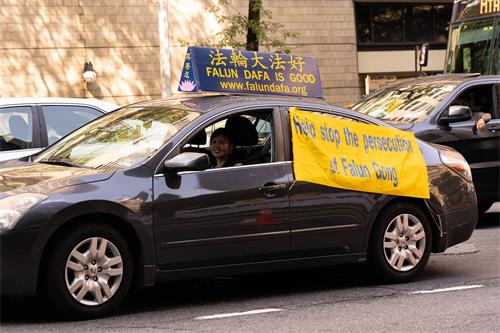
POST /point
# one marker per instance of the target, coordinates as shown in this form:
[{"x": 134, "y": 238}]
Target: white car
[{"x": 27, "y": 125}]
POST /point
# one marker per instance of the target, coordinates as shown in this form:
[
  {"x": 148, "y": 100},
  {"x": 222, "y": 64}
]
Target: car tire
[
  {"x": 400, "y": 244},
  {"x": 89, "y": 271}
]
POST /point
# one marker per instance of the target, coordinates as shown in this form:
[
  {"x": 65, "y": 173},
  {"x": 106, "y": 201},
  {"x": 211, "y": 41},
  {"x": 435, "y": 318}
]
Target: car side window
[
  {"x": 479, "y": 99},
  {"x": 16, "y": 128},
  {"x": 250, "y": 136},
  {"x": 63, "y": 119}
]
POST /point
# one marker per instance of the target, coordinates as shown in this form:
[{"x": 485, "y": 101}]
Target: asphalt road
[{"x": 458, "y": 292}]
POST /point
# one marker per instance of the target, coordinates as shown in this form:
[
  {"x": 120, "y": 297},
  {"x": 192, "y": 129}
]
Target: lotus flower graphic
[{"x": 187, "y": 85}]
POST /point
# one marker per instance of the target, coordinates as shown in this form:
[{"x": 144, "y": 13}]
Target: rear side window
[
  {"x": 63, "y": 119},
  {"x": 334, "y": 115},
  {"x": 16, "y": 128},
  {"x": 289, "y": 155}
]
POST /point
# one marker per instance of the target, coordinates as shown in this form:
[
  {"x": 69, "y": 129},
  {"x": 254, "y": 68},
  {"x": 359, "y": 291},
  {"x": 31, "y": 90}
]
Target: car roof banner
[
  {"x": 356, "y": 156},
  {"x": 250, "y": 72}
]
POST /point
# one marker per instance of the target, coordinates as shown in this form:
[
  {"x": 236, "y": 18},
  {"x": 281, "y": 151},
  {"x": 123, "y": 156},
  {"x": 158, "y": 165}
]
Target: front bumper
[
  {"x": 19, "y": 262},
  {"x": 455, "y": 215},
  {"x": 457, "y": 227}
]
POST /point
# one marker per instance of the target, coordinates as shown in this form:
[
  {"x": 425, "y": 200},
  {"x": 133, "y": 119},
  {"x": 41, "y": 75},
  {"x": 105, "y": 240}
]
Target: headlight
[
  {"x": 14, "y": 207},
  {"x": 456, "y": 162}
]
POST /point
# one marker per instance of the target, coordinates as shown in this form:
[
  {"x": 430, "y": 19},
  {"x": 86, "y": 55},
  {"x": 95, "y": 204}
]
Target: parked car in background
[
  {"x": 444, "y": 109},
  {"x": 29, "y": 124}
]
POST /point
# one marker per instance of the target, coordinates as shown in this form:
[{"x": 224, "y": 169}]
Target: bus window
[
  {"x": 496, "y": 56},
  {"x": 472, "y": 46},
  {"x": 474, "y": 40}
]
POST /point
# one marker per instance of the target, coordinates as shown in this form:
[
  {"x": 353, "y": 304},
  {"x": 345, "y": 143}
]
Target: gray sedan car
[{"x": 130, "y": 200}]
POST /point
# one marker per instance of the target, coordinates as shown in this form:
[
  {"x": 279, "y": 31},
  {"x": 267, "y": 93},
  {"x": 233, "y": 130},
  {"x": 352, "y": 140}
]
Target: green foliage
[{"x": 237, "y": 27}]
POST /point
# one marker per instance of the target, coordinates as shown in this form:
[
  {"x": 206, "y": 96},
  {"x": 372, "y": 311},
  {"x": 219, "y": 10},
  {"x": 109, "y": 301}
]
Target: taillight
[{"x": 456, "y": 162}]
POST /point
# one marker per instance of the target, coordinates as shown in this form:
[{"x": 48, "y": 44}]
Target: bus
[{"x": 474, "y": 37}]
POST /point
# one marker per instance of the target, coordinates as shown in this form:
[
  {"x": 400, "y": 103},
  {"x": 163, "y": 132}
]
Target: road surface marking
[
  {"x": 234, "y": 314},
  {"x": 446, "y": 289}
]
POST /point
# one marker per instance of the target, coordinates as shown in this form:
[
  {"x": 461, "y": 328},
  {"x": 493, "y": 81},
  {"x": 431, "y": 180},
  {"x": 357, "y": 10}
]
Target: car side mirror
[
  {"x": 455, "y": 114},
  {"x": 188, "y": 161}
]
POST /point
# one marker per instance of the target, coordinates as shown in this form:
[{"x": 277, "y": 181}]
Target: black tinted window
[
  {"x": 441, "y": 23},
  {"x": 402, "y": 24},
  {"x": 63, "y": 119},
  {"x": 387, "y": 23},
  {"x": 16, "y": 128},
  {"x": 363, "y": 24},
  {"x": 419, "y": 25}
]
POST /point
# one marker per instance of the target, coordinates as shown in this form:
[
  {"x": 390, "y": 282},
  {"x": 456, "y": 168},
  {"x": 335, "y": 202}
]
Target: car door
[
  {"x": 482, "y": 149},
  {"x": 227, "y": 215},
  {"x": 60, "y": 120},
  {"x": 327, "y": 220}
]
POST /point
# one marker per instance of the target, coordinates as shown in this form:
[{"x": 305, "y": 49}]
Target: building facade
[{"x": 136, "y": 48}]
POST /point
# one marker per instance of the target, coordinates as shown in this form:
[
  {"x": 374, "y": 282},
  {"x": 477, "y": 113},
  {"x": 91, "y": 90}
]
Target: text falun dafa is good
[{"x": 356, "y": 156}]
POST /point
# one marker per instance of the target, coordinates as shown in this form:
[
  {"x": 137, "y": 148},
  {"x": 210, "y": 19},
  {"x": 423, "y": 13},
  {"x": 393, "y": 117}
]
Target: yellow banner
[{"x": 357, "y": 156}]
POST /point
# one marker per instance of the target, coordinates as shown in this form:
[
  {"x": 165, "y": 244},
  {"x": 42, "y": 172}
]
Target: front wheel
[
  {"x": 89, "y": 271},
  {"x": 400, "y": 245}
]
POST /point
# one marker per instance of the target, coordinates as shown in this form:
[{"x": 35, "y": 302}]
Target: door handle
[
  {"x": 493, "y": 128},
  {"x": 270, "y": 190}
]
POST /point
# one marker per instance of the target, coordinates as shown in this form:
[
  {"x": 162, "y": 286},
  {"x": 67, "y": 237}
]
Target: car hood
[{"x": 19, "y": 176}]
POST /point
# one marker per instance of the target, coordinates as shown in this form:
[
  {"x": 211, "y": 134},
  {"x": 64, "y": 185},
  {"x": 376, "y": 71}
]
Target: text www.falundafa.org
[{"x": 263, "y": 88}]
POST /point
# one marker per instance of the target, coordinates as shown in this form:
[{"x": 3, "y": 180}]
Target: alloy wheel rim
[
  {"x": 94, "y": 271},
  {"x": 404, "y": 242}
]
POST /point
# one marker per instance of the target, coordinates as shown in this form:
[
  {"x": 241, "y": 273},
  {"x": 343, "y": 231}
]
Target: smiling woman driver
[{"x": 221, "y": 147}]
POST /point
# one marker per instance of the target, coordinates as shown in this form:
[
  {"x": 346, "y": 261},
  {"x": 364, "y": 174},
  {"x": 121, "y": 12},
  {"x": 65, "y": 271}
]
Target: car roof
[
  {"x": 204, "y": 102},
  {"x": 104, "y": 106},
  {"x": 446, "y": 79}
]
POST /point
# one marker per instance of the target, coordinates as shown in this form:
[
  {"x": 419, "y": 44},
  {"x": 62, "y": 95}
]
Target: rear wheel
[
  {"x": 400, "y": 245},
  {"x": 89, "y": 271}
]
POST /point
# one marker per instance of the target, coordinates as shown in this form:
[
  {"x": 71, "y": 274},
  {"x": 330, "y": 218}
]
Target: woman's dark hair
[{"x": 222, "y": 131}]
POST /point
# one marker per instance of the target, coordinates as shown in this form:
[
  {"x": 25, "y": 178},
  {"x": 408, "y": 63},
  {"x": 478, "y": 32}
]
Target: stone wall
[
  {"x": 45, "y": 43},
  {"x": 327, "y": 32}
]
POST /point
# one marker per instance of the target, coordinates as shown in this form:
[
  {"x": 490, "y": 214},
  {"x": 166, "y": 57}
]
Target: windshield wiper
[{"x": 63, "y": 163}]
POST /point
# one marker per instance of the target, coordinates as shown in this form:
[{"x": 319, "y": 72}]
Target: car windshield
[
  {"x": 120, "y": 139},
  {"x": 408, "y": 103}
]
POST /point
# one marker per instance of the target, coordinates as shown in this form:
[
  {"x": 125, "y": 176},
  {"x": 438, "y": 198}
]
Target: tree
[{"x": 248, "y": 31}]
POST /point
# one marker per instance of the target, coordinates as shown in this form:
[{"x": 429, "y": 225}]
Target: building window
[
  {"x": 401, "y": 25},
  {"x": 387, "y": 23}
]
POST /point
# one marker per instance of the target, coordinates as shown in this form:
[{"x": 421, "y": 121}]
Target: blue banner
[{"x": 249, "y": 72}]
